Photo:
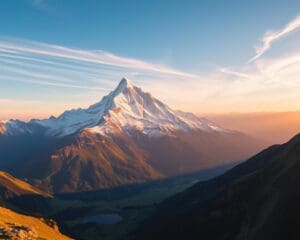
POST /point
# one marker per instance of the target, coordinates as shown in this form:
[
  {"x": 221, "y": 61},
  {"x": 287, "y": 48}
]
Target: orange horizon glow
[
  {"x": 273, "y": 127},
  {"x": 28, "y": 115}
]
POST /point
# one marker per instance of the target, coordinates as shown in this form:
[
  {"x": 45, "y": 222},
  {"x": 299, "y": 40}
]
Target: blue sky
[
  {"x": 186, "y": 46},
  {"x": 190, "y": 35}
]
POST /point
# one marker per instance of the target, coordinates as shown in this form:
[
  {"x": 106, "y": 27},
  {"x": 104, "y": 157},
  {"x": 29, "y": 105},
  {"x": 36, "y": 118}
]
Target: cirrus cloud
[{"x": 271, "y": 36}]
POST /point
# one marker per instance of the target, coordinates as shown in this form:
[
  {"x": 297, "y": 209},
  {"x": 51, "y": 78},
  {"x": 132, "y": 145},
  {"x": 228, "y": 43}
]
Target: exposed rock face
[{"x": 18, "y": 232}]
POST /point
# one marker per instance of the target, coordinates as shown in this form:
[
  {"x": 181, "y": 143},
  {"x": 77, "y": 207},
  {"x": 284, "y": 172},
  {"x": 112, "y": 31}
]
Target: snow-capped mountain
[
  {"x": 125, "y": 109},
  {"x": 15, "y": 127},
  {"x": 128, "y": 137},
  {"x": 129, "y": 108}
]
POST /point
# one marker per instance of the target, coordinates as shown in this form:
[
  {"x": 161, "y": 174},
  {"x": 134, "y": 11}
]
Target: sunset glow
[{"x": 149, "y": 120}]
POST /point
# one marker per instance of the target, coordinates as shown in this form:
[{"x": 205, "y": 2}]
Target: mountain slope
[
  {"x": 128, "y": 137},
  {"x": 20, "y": 195},
  {"x": 17, "y": 226},
  {"x": 96, "y": 161},
  {"x": 12, "y": 187},
  {"x": 258, "y": 199}
]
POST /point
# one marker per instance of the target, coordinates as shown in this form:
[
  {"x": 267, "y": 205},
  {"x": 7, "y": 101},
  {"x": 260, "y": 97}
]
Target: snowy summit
[{"x": 128, "y": 108}]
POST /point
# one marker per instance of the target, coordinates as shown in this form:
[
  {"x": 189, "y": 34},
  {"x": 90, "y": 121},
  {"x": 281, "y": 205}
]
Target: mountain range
[{"x": 127, "y": 137}]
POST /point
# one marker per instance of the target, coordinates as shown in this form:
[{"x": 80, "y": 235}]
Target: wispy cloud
[
  {"x": 264, "y": 83},
  {"x": 234, "y": 73},
  {"x": 269, "y": 68},
  {"x": 97, "y": 56},
  {"x": 59, "y": 66},
  {"x": 51, "y": 84},
  {"x": 272, "y": 36},
  {"x": 17, "y": 101}
]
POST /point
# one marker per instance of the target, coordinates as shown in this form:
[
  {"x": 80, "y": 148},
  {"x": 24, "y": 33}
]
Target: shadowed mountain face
[
  {"x": 258, "y": 199},
  {"x": 128, "y": 137}
]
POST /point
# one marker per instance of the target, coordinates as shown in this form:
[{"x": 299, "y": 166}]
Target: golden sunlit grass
[
  {"x": 12, "y": 220},
  {"x": 17, "y": 186}
]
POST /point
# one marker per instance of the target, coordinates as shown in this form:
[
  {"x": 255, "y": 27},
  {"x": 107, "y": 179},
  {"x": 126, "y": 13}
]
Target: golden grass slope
[
  {"x": 18, "y": 187},
  {"x": 17, "y": 226}
]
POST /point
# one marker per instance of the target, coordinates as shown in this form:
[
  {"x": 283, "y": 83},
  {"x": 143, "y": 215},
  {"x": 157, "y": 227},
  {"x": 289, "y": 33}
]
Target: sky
[{"x": 204, "y": 56}]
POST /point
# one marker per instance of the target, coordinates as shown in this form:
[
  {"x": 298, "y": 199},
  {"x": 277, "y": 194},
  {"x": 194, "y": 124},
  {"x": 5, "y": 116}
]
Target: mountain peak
[
  {"x": 124, "y": 83},
  {"x": 125, "y": 108}
]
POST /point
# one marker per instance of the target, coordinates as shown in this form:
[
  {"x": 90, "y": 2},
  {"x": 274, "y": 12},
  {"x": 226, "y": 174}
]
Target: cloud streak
[
  {"x": 264, "y": 83},
  {"x": 35, "y": 63},
  {"x": 17, "y": 101},
  {"x": 88, "y": 56},
  {"x": 261, "y": 84},
  {"x": 234, "y": 73},
  {"x": 271, "y": 36}
]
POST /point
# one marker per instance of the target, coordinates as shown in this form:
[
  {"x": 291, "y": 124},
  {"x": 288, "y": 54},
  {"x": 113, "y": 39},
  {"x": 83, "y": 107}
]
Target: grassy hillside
[
  {"x": 17, "y": 226},
  {"x": 12, "y": 186}
]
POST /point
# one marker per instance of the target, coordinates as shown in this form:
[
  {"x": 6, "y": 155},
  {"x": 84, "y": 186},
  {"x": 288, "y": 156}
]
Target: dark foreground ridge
[{"x": 256, "y": 200}]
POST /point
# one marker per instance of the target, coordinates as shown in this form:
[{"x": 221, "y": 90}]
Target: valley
[{"x": 107, "y": 214}]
